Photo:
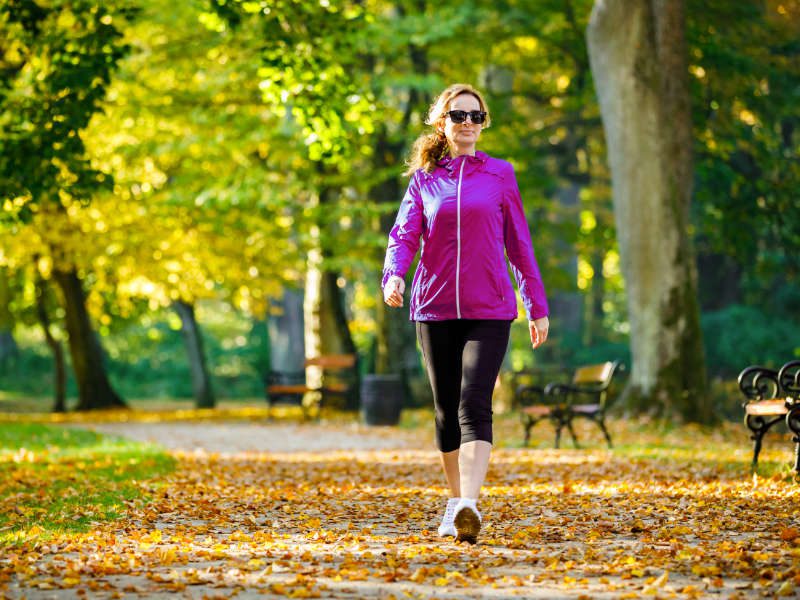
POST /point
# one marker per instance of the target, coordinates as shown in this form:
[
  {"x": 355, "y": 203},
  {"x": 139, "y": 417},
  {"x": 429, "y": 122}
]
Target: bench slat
[
  {"x": 586, "y": 409},
  {"x": 538, "y": 410},
  {"x": 765, "y": 408},
  {"x": 332, "y": 361},
  {"x": 594, "y": 373},
  {"x": 287, "y": 389}
]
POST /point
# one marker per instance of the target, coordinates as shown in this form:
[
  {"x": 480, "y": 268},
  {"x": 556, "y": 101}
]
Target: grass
[{"x": 58, "y": 480}]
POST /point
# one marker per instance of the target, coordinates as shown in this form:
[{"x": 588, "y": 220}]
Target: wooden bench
[
  {"x": 560, "y": 403},
  {"x": 771, "y": 397},
  {"x": 339, "y": 380}
]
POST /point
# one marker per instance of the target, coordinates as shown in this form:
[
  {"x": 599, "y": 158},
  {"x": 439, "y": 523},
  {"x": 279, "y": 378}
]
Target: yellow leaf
[
  {"x": 786, "y": 589},
  {"x": 661, "y": 580}
]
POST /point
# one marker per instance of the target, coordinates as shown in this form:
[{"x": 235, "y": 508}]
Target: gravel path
[{"x": 234, "y": 438}]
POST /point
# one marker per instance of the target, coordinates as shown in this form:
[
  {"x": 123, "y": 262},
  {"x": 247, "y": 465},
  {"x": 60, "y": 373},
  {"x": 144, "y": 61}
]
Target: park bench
[
  {"x": 771, "y": 397},
  {"x": 560, "y": 403},
  {"x": 339, "y": 381}
]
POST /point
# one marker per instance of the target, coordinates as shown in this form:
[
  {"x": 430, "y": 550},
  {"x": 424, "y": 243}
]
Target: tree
[
  {"x": 639, "y": 61},
  {"x": 745, "y": 66},
  {"x": 58, "y": 60},
  {"x": 198, "y": 211}
]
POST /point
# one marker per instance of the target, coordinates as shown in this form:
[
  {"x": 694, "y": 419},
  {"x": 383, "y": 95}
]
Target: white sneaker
[
  {"x": 467, "y": 521},
  {"x": 447, "y": 527}
]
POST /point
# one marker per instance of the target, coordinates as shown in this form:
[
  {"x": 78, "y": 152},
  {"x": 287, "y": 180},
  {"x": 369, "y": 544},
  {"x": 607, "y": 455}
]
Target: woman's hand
[
  {"x": 539, "y": 329},
  {"x": 393, "y": 291}
]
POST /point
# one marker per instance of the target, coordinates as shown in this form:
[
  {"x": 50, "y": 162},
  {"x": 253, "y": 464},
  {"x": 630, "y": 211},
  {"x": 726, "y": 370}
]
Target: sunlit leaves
[{"x": 60, "y": 64}]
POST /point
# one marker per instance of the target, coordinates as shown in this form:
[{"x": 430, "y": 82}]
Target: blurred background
[{"x": 197, "y": 193}]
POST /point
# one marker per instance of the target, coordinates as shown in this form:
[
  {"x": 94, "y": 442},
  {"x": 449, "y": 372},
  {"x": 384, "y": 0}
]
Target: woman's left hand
[{"x": 539, "y": 329}]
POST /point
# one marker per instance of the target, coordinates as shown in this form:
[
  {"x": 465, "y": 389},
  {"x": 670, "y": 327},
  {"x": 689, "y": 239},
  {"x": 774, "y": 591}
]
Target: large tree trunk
[
  {"x": 94, "y": 389},
  {"x": 8, "y": 345},
  {"x": 325, "y": 320},
  {"x": 60, "y": 388},
  {"x": 637, "y": 51},
  {"x": 193, "y": 339}
]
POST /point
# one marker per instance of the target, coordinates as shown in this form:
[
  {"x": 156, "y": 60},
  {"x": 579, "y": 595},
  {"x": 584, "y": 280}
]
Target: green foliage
[
  {"x": 57, "y": 59},
  {"x": 745, "y": 58},
  {"x": 738, "y": 336},
  {"x": 146, "y": 358}
]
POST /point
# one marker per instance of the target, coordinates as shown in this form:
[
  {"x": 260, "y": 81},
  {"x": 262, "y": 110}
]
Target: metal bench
[
  {"x": 560, "y": 403},
  {"x": 339, "y": 381},
  {"x": 771, "y": 397}
]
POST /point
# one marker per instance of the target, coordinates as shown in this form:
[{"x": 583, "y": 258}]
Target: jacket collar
[{"x": 451, "y": 164}]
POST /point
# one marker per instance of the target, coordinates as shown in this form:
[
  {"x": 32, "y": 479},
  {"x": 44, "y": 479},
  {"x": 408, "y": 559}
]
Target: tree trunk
[
  {"x": 637, "y": 51},
  {"x": 193, "y": 339},
  {"x": 325, "y": 321},
  {"x": 287, "y": 352},
  {"x": 60, "y": 388},
  {"x": 593, "y": 328},
  {"x": 8, "y": 345},
  {"x": 566, "y": 306},
  {"x": 94, "y": 389}
]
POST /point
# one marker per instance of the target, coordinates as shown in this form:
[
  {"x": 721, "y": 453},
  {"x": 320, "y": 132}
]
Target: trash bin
[{"x": 381, "y": 399}]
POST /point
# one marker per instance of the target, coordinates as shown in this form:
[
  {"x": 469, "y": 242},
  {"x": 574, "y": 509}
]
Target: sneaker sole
[
  {"x": 449, "y": 532},
  {"x": 467, "y": 525}
]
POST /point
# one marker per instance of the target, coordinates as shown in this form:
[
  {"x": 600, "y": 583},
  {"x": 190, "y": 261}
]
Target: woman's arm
[
  {"x": 519, "y": 248},
  {"x": 403, "y": 243}
]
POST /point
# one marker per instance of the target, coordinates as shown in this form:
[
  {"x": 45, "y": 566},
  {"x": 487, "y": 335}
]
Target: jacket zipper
[{"x": 458, "y": 238}]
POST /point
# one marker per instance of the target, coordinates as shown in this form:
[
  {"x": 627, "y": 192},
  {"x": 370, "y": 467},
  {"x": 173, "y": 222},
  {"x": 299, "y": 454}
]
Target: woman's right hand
[{"x": 393, "y": 291}]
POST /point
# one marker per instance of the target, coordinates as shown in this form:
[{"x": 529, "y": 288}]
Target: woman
[{"x": 466, "y": 207}]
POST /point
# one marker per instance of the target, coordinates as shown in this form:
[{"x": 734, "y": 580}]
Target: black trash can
[{"x": 381, "y": 399}]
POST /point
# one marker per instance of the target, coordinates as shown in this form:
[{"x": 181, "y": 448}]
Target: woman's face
[{"x": 462, "y": 136}]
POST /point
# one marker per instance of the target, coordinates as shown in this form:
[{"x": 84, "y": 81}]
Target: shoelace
[{"x": 449, "y": 512}]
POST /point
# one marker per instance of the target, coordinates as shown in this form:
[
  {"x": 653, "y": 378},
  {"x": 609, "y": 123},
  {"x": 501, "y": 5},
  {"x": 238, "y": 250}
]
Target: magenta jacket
[{"x": 467, "y": 212}]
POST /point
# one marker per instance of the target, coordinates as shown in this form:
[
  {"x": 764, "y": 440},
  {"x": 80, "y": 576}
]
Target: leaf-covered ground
[{"x": 667, "y": 513}]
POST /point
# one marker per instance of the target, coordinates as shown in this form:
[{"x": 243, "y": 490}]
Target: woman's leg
[
  {"x": 442, "y": 353},
  {"x": 484, "y": 350},
  {"x": 473, "y": 463},
  {"x": 485, "y": 347},
  {"x": 442, "y": 349},
  {"x": 451, "y": 468}
]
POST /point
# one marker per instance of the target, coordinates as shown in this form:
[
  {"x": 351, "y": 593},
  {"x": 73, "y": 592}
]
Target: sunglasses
[{"x": 459, "y": 116}]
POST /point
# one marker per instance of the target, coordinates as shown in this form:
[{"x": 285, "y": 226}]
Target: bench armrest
[
  {"x": 789, "y": 380},
  {"x": 759, "y": 383}
]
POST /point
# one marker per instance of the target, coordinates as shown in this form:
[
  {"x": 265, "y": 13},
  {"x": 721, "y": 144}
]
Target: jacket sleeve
[
  {"x": 404, "y": 236},
  {"x": 517, "y": 238}
]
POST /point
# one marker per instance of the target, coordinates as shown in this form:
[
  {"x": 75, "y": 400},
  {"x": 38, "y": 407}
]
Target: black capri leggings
[{"x": 463, "y": 358}]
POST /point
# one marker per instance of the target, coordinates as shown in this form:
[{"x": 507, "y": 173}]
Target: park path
[
  {"x": 342, "y": 511},
  {"x": 237, "y": 437}
]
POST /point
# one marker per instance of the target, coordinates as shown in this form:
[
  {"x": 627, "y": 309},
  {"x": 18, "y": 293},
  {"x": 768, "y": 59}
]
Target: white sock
[{"x": 470, "y": 502}]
